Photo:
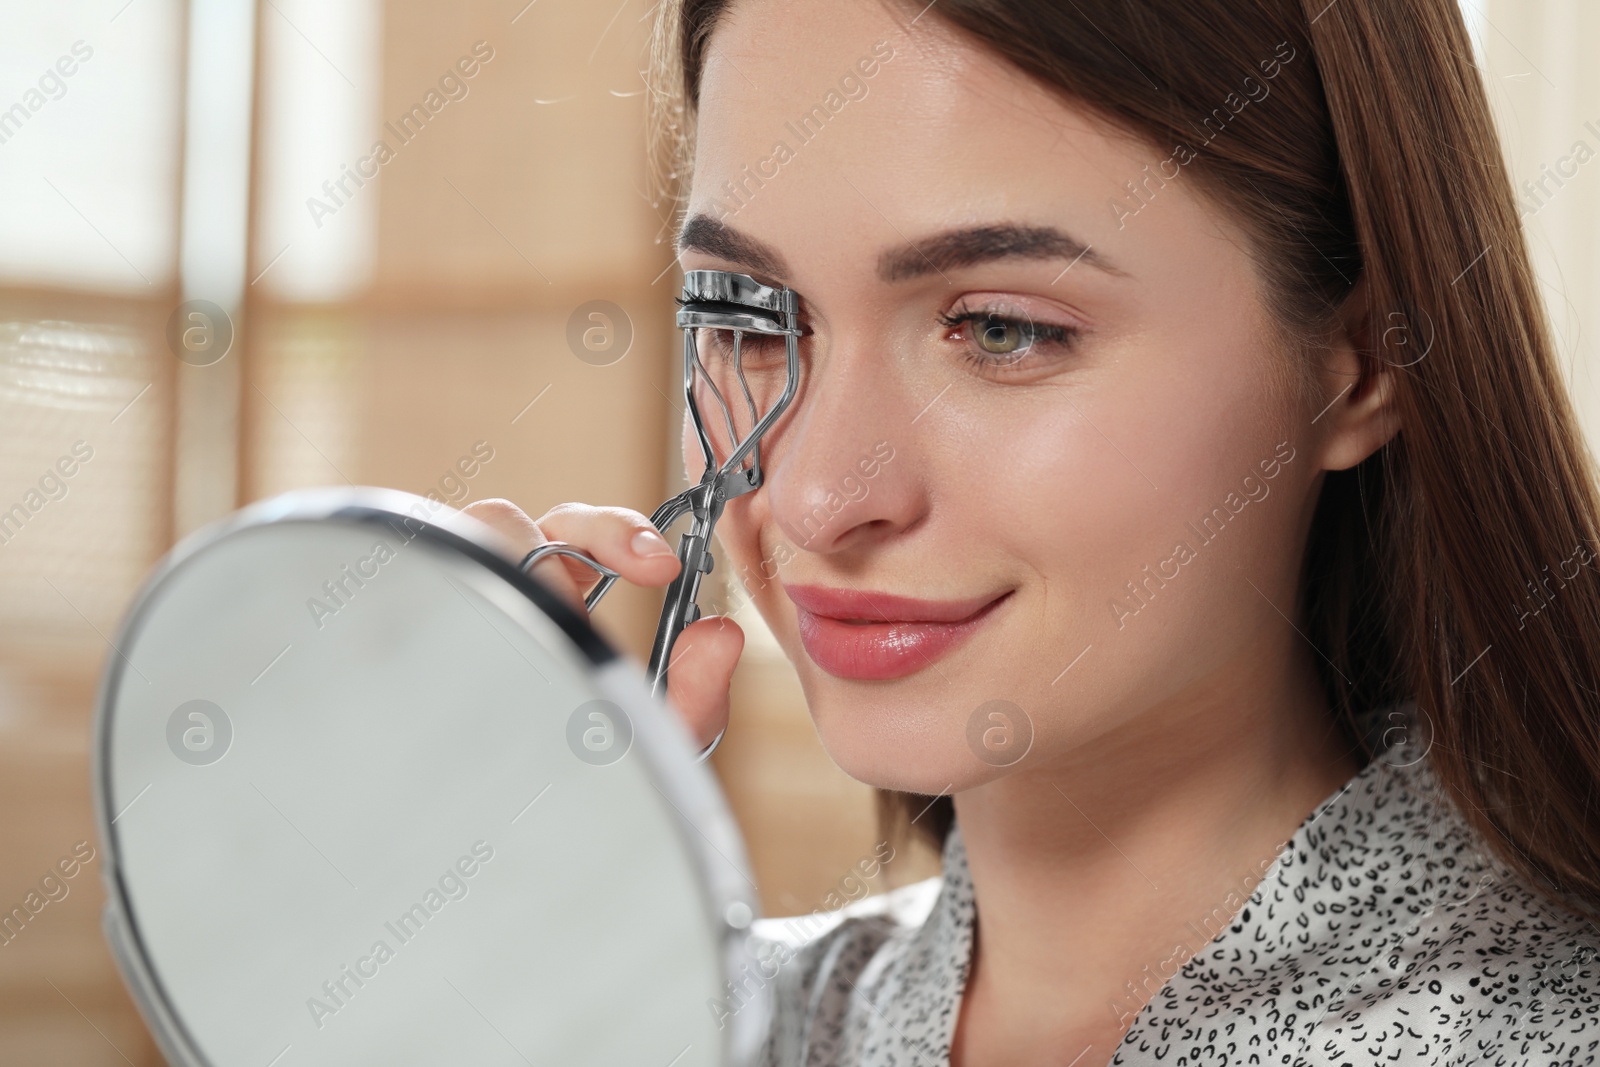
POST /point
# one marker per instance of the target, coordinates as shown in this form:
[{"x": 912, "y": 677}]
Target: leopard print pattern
[{"x": 1384, "y": 933}]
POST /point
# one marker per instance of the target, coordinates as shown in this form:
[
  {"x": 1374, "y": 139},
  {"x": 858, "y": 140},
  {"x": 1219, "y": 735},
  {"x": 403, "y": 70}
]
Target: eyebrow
[{"x": 946, "y": 250}]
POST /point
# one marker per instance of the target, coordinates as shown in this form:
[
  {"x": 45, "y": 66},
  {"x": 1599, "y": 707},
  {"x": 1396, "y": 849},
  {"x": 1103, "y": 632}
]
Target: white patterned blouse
[{"x": 1384, "y": 933}]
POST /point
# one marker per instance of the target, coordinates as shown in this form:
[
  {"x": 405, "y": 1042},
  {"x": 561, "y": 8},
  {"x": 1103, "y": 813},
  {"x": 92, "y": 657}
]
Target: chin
[{"x": 890, "y": 751}]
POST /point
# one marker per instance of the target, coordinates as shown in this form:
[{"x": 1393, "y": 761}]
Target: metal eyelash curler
[{"x": 715, "y": 304}]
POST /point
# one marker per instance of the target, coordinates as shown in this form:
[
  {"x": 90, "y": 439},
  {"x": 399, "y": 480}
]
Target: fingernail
[{"x": 650, "y": 543}]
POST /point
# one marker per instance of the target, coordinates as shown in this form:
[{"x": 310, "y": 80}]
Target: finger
[
  {"x": 700, "y": 673},
  {"x": 620, "y": 538},
  {"x": 525, "y": 535}
]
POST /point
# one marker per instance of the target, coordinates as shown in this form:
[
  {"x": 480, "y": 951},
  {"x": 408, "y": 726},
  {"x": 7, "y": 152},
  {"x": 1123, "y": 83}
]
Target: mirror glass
[{"x": 372, "y": 796}]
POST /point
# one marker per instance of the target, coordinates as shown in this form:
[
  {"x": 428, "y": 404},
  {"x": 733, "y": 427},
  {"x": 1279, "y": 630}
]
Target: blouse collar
[{"x": 1389, "y": 827}]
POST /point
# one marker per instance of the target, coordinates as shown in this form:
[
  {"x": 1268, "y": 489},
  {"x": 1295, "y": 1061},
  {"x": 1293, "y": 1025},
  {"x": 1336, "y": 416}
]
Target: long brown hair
[{"x": 1437, "y": 569}]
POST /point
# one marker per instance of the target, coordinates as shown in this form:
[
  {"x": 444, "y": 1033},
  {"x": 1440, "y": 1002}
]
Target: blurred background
[{"x": 213, "y": 290}]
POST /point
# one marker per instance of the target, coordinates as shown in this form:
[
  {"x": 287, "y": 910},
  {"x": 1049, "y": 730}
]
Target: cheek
[
  {"x": 1141, "y": 451},
  {"x": 1141, "y": 529}
]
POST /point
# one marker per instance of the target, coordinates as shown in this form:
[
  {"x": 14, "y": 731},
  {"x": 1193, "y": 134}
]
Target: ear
[{"x": 1358, "y": 382}]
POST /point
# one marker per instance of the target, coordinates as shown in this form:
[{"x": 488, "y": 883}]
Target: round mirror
[{"x": 368, "y": 794}]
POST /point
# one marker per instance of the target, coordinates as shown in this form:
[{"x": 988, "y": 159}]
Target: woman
[{"x": 1225, "y": 606}]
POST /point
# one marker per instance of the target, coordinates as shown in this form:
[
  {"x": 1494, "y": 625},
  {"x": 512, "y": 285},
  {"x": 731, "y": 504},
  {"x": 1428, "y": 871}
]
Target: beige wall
[{"x": 1538, "y": 64}]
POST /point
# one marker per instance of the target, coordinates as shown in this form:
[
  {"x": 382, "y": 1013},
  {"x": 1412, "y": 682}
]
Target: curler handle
[{"x": 679, "y": 609}]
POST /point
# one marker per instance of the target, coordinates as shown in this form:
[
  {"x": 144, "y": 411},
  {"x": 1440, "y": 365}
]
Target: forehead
[
  {"x": 847, "y": 130},
  {"x": 861, "y": 85}
]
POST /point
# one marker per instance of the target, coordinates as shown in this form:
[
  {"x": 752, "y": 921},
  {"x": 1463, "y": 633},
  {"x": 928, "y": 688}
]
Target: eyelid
[
  {"x": 1008, "y": 305},
  {"x": 1052, "y": 342}
]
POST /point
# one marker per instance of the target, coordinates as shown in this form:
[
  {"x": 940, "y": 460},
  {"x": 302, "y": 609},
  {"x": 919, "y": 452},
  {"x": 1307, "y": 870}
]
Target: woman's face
[{"x": 1124, "y": 482}]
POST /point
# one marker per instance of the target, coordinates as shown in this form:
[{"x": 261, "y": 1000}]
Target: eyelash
[
  {"x": 753, "y": 343},
  {"x": 1045, "y": 338},
  {"x": 1042, "y": 335}
]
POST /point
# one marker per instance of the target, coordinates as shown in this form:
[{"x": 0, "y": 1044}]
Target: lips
[{"x": 852, "y": 634}]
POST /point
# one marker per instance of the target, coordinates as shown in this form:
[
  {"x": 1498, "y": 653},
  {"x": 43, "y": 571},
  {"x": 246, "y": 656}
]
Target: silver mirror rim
[{"x": 712, "y": 837}]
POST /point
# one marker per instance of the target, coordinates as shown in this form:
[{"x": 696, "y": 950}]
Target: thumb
[{"x": 700, "y": 674}]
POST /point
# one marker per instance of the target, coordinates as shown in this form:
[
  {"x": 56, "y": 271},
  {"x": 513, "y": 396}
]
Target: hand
[{"x": 706, "y": 651}]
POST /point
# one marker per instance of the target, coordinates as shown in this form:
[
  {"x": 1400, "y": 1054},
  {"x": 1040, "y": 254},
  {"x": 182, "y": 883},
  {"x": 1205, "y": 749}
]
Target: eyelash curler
[{"x": 715, "y": 304}]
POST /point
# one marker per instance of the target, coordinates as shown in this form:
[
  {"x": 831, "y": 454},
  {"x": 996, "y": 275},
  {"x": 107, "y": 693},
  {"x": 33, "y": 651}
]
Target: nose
[{"x": 841, "y": 474}]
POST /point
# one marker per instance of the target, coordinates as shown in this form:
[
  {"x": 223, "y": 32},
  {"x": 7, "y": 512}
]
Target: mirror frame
[{"x": 707, "y": 830}]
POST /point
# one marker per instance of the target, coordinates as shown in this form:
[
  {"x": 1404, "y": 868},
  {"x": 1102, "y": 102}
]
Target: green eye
[
  {"x": 1001, "y": 337},
  {"x": 1002, "y": 341}
]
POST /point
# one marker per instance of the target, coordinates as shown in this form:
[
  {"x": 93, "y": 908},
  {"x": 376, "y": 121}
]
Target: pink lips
[{"x": 878, "y": 636}]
